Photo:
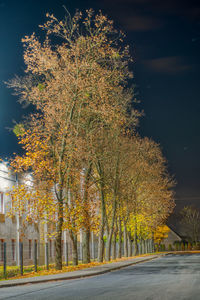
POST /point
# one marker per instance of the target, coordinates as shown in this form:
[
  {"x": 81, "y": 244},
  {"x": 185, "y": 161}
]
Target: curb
[{"x": 64, "y": 277}]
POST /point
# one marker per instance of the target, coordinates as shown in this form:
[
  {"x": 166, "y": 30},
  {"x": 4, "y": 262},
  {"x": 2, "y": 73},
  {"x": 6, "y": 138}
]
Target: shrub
[
  {"x": 10, "y": 272},
  {"x": 186, "y": 246},
  {"x": 198, "y": 245},
  {"x": 182, "y": 247},
  {"x": 170, "y": 247},
  {"x": 176, "y": 246},
  {"x": 163, "y": 247},
  {"x": 156, "y": 247}
]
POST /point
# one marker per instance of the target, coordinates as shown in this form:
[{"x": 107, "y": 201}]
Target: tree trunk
[
  {"x": 86, "y": 245},
  {"x": 146, "y": 246},
  {"x": 125, "y": 242},
  {"x": 58, "y": 258},
  {"x": 108, "y": 248},
  {"x": 135, "y": 241},
  {"x": 152, "y": 243},
  {"x": 110, "y": 234},
  {"x": 103, "y": 216},
  {"x": 110, "y": 231},
  {"x": 149, "y": 248},
  {"x": 73, "y": 238},
  {"x": 129, "y": 245},
  {"x": 114, "y": 245},
  {"x": 143, "y": 246},
  {"x": 74, "y": 251},
  {"x": 59, "y": 248},
  {"x": 100, "y": 245},
  {"x": 86, "y": 229},
  {"x": 120, "y": 239}
]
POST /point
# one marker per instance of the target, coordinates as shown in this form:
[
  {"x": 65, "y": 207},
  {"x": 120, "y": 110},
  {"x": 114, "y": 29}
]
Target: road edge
[{"x": 64, "y": 277}]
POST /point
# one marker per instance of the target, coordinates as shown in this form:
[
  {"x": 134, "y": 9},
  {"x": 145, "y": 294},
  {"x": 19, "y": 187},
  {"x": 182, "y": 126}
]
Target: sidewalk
[{"x": 78, "y": 274}]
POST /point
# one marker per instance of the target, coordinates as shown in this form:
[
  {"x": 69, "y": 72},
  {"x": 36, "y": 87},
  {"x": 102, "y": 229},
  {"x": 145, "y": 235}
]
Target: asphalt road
[{"x": 174, "y": 277}]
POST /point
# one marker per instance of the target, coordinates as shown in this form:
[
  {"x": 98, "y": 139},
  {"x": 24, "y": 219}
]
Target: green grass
[{"x": 12, "y": 271}]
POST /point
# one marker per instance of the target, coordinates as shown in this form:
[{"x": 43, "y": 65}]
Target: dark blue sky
[{"x": 164, "y": 37}]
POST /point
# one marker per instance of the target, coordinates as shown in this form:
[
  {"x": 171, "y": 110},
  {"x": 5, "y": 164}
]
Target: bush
[
  {"x": 186, "y": 246},
  {"x": 163, "y": 247},
  {"x": 196, "y": 246},
  {"x": 170, "y": 247},
  {"x": 10, "y": 272},
  {"x": 176, "y": 246},
  {"x": 182, "y": 247},
  {"x": 156, "y": 247}
]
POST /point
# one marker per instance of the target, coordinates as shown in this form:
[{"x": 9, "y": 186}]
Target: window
[
  {"x": 30, "y": 249},
  {"x": 1, "y": 203},
  {"x": 13, "y": 247},
  {"x": 1, "y": 250}
]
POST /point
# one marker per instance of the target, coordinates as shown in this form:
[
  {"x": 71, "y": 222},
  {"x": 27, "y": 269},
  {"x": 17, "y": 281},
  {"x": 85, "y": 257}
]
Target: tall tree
[
  {"x": 78, "y": 87},
  {"x": 190, "y": 219}
]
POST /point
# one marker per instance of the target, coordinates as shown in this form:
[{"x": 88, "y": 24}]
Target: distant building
[
  {"x": 9, "y": 227},
  {"x": 13, "y": 232},
  {"x": 172, "y": 238}
]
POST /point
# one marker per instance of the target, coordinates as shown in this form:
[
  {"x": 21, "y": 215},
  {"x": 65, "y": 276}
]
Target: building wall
[
  {"x": 172, "y": 237},
  {"x": 9, "y": 227}
]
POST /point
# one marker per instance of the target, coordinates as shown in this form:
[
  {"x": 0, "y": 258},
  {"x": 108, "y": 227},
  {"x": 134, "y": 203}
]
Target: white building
[
  {"x": 10, "y": 227},
  {"x": 13, "y": 232}
]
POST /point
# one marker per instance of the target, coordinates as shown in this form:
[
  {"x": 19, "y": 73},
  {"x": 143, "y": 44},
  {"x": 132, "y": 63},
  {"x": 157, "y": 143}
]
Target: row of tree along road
[{"x": 91, "y": 170}]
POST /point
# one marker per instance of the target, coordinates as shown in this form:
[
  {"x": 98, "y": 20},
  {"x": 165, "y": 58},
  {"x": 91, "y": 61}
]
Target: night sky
[{"x": 164, "y": 38}]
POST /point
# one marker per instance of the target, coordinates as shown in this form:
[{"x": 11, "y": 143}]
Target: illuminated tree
[
  {"x": 161, "y": 233},
  {"x": 78, "y": 87},
  {"x": 148, "y": 189}
]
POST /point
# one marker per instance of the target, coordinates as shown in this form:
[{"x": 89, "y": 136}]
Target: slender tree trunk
[
  {"x": 150, "y": 250},
  {"x": 101, "y": 245},
  {"x": 86, "y": 229},
  {"x": 114, "y": 245},
  {"x": 110, "y": 233},
  {"x": 120, "y": 239},
  {"x": 59, "y": 247},
  {"x": 143, "y": 246},
  {"x": 73, "y": 237},
  {"x": 146, "y": 246},
  {"x": 75, "y": 252},
  {"x": 59, "y": 236},
  {"x": 139, "y": 247},
  {"x": 108, "y": 247},
  {"x": 86, "y": 245},
  {"x": 135, "y": 241},
  {"x": 103, "y": 216},
  {"x": 152, "y": 243},
  {"x": 129, "y": 244},
  {"x": 125, "y": 241}
]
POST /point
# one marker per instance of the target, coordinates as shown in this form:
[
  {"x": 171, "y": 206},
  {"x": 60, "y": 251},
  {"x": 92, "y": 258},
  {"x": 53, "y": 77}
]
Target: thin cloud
[
  {"x": 140, "y": 23},
  {"x": 146, "y": 15},
  {"x": 168, "y": 65}
]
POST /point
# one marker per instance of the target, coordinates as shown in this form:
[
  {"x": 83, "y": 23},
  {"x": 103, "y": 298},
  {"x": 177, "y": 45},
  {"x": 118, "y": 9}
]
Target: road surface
[{"x": 174, "y": 277}]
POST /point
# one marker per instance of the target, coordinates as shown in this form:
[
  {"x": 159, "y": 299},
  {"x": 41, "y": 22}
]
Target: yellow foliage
[{"x": 161, "y": 233}]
